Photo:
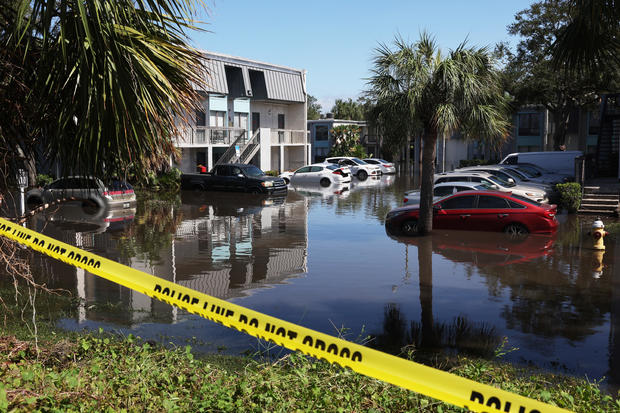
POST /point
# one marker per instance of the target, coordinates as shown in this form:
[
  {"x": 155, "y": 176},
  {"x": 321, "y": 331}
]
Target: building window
[
  {"x": 594, "y": 122},
  {"x": 241, "y": 120},
  {"x": 201, "y": 118},
  {"x": 216, "y": 118},
  {"x": 530, "y": 148},
  {"x": 529, "y": 124},
  {"x": 321, "y": 133}
]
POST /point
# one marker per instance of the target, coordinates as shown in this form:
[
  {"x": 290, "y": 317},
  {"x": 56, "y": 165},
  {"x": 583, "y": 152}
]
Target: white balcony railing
[
  {"x": 289, "y": 136},
  {"x": 210, "y": 136}
]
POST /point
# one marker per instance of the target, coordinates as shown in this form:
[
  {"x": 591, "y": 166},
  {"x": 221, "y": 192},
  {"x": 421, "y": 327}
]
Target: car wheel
[
  {"x": 34, "y": 202},
  {"x": 287, "y": 181},
  {"x": 362, "y": 175},
  {"x": 325, "y": 182},
  {"x": 516, "y": 230},
  {"x": 90, "y": 207},
  {"x": 410, "y": 227}
]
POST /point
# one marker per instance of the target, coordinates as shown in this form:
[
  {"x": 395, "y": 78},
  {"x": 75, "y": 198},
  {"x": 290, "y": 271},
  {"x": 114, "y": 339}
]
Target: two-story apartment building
[
  {"x": 321, "y": 138},
  {"x": 251, "y": 112}
]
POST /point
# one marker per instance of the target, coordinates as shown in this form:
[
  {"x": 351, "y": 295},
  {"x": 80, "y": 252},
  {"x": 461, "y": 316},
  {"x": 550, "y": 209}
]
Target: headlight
[{"x": 267, "y": 184}]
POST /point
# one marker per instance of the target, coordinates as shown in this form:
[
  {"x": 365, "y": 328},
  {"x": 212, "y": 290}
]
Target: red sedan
[{"x": 480, "y": 211}]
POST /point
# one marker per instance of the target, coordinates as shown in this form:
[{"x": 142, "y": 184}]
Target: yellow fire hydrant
[{"x": 598, "y": 233}]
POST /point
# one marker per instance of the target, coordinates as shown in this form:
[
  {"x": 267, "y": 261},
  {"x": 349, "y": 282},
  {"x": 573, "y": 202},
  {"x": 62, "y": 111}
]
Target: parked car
[
  {"x": 234, "y": 177},
  {"x": 508, "y": 174},
  {"x": 537, "y": 173},
  {"x": 444, "y": 189},
  {"x": 386, "y": 167},
  {"x": 320, "y": 173},
  {"x": 562, "y": 162},
  {"x": 359, "y": 168},
  {"x": 89, "y": 190},
  {"x": 495, "y": 182},
  {"x": 480, "y": 211}
]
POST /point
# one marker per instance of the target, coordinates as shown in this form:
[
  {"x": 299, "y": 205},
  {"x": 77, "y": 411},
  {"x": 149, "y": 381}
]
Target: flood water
[{"x": 321, "y": 257}]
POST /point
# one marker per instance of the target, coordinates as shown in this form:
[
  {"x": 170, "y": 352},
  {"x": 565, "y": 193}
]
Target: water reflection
[{"x": 320, "y": 257}]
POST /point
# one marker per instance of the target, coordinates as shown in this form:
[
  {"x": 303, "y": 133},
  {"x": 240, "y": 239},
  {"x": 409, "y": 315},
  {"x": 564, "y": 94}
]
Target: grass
[{"x": 92, "y": 372}]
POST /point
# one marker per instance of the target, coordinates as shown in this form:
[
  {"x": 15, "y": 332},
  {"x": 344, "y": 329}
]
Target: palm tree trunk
[{"x": 425, "y": 224}]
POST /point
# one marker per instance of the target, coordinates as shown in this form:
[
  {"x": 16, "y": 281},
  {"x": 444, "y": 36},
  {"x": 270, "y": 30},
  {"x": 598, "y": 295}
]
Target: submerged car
[
  {"x": 91, "y": 191},
  {"x": 359, "y": 168},
  {"x": 386, "y": 167},
  {"x": 480, "y": 211},
  {"x": 320, "y": 173}
]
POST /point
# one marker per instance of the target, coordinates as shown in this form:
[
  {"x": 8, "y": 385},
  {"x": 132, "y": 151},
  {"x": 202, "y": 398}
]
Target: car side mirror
[
  {"x": 240, "y": 175},
  {"x": 495, "y": 187},
  {"x": 512, "y": 181},
  {"x": 436, "y": 208}
]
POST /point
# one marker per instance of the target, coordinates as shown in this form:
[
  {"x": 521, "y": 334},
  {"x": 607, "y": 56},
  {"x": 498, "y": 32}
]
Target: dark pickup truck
[{"x": 234, "y": 177}]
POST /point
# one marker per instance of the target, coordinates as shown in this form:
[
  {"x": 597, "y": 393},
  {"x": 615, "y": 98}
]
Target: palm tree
[
  {"x": 107, "y": 81},
  {"x": 590, "y": 42},
  {"x": 438, "y": 96}
]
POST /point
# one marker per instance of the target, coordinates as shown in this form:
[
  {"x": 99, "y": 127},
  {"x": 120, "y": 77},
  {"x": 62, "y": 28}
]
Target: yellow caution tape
[{"x": 410, "y": 375}]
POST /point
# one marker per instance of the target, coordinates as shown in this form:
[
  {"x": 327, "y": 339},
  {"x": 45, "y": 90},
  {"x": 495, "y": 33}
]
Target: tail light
[
  {"x": 338, "y": 172},
  {"x": 388, "y": 165},
  {"x": 405, "y": 200}
]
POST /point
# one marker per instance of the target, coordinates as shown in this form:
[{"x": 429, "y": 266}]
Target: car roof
[
  {"x": 465, "y": 183},
  {"x": 465, "y": 173}
]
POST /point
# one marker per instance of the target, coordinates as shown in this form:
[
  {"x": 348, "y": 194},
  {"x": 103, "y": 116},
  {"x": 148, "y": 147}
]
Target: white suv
[{"x": 362, "y": 170}]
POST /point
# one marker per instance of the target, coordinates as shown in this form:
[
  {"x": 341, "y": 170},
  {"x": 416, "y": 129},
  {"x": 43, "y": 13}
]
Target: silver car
[
  {"x": 496, "y": 183},
  {"x": 89, "y": 190},
  {"x": 445, "y": 189}
]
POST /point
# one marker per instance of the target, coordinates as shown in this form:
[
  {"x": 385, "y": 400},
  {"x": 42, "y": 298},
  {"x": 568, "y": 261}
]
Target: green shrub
[
  {"x": 271, "y": 173},
  {"x": 43, "y": 179},
  {"x": 569, "y": 196},
  {"x": 170, "y": 180}
]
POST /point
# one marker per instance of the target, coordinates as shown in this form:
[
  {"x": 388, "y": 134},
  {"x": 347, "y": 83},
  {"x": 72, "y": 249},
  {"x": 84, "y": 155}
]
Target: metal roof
[{"x": 282, "y": 83}]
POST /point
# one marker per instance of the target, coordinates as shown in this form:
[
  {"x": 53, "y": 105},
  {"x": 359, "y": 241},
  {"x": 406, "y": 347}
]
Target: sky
[{"x": 334, "y": 41}]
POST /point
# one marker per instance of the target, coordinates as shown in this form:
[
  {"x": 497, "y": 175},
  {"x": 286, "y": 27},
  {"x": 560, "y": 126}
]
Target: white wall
[{"x": 269, "y": 115}]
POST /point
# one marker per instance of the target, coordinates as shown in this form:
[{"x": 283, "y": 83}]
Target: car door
[
  {"x": 301, "y": 175},
  {"x": 238, "y": 180},
  {"x": 316, "y": 173},
  {"x": 491, "y": 213},
  {"x": 454, "y": 212}
]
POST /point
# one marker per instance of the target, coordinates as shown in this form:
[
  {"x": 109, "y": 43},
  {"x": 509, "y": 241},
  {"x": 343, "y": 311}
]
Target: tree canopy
[
  {"x": 100, "y": 86},
  {"x": 532, "y": 78},
  {"x": 348, "y": 109},
  {"x": 314, "y": 108}
]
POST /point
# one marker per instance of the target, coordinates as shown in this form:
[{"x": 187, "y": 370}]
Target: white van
[{"x": 562, "y": 162}]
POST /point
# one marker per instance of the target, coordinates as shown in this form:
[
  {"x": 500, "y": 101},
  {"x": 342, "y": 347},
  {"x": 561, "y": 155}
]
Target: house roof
[{"x": 273, "y": 82}]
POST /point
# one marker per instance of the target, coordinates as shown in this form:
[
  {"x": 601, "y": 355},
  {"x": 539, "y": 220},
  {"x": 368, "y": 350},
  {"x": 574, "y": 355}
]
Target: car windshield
[
  {"x": 253, "y": 171},
  {"x": 531, "y": 172},
  {"x": 483, "y": 186},
  {"x": 518, "y": 174},
  {"x": 501, "y": 181},
  {"x": 358, "y": 161}
]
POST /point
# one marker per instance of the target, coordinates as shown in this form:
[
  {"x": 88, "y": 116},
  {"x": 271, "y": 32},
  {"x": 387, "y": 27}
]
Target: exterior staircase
[
  {"x": 609, "y": 136},
  {"x": 594, "y": 201},
  {"x": 247, "y": 149}
]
